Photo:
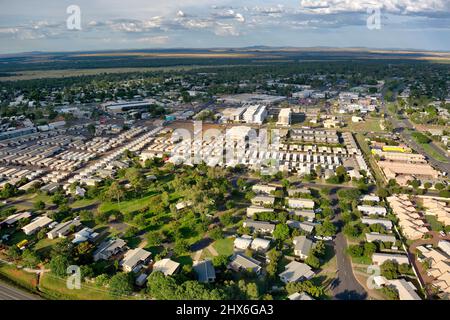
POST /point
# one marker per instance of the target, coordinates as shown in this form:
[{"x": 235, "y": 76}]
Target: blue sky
[{"x": 112, "y": 24}]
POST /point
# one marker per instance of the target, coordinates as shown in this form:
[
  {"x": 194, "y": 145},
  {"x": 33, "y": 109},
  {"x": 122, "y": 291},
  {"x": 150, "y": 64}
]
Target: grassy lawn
[
  {"x": 17, "y": 236},
  {"x": 82, "y": 203},
  {"x": 369, "y": 125},
  {"x": 362, "y": 260},
  {"x": 21, "y": 278},
  {"x": 224, "y": 246},
  {"x": 125, "y": 206},
  {"x": 434, "y": 223},
  {"x": 44, "y": 246},
  {"x": 433, "y": 153},
  {"x": 56, "y": 288}
]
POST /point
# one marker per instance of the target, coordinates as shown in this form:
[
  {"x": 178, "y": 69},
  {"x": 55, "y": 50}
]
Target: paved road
[
  {"x": 345, "y": 286},
  {"x": 8, "y": 292}
]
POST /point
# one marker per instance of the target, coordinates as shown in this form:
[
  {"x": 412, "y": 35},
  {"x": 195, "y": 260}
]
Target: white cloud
[{"x": 159, "y": 40}]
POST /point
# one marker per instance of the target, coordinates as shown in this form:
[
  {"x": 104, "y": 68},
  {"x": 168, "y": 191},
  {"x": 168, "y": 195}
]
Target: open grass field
[
  {"x": 19, "y": 277},
  {"x": 433, "y": 153},
  {"x": 56, "y": 288},
  {"x": 369, "y": 125},
  {"x": 63, "y": 73},
  {"x": 125, "y": 206}
]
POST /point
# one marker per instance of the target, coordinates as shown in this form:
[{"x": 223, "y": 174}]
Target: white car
[{"x": 442, "y": 233}]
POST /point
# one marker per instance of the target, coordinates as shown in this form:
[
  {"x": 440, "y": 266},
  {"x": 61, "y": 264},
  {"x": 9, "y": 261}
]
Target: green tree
[
  {"x": 120, "y": 285},
  {"x": 281, "y": 232},
  {"x": 390, "y": 292},
  {"x": 326, "y": 229},
  {"x": 313, "y": 261},
  {"x": 39, "y": 205},
  {"x": 389, "y": 270},
  {"x": 58, "y": 265}
]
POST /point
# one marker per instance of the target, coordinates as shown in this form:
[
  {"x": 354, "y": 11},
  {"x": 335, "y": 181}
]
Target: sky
[{"x": 77, "y": 25}]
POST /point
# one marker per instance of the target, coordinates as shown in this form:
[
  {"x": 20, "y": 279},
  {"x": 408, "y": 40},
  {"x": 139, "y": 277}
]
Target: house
[
  {"x": 300, "y": 296},
  {"x": 259, "y": 226},
  {"x": 86, "y": 234},
  {"x": 301, "y": 203},
  {"x": 302, "y": 247},
  {"x": 374, "y": 236},
  {"x": 80, "y": 191},
  {"x": 296, "y": 271},
  {"x": 370, "y": 198},
  {"x": 380, "y": 258},
  {"x": 261, "y": 245},
  {"x": 406, "y": 290},
  {"x": 255, "y": 209},
  {"x": 444, "y": 246},
  {"x": 135, "y": 259},
  {"x": 262, "y": 188},
  {"x": 36, "y": 224},
  {"x": 307, "y": 214},
  {"x": 387, "y": 224},
  {"x": 263, "y": 201},
  {"x": 303, "y": 226},
  {"x": 166, "y": 266},
  {"x": 109, "y": 248},
  {"x": 63, "y": 229},
  {"x": 183, "y": 204},
  {"x": 12, "y": 219},
  {"x": 205, "y": 271},
  {"x": 298, "y": 191},
  {"x": 369, "y": 210},
  {"x": 243, "y": 243},
  {"x": 240, "y": 262}
]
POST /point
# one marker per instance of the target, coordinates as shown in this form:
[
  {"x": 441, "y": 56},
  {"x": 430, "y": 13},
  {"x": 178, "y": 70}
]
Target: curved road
[{"x": 8, "y": 292}]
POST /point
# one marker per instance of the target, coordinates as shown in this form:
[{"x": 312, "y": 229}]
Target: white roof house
[
  {"x": 15, "y": 217},
  {"x": 368, "y": 210},
  {"x": 302, "y": 246},
  {"x": 262, "y": 188},
  {"x": 296, "y": 271},
  {"x": 63, "y": 229},
  {"x": 373, "y": 236},
  {"x": 135, "y": 259},
  {"x": 263, "y": 200},
  {"x": 303, "y": 226},
  {"x": 308, "y": 214},
  {"x": 444, "y": 246},
  {"x": 243, "y": 243},
  {"x": 301, "y": 203},
  {"x": 259, "y": 244},
  {"x": 259, "y": 226},
  {"x": 109, "y": 248},
  {"x": 384, "y": 222},
  {"x": 36, "y": 224},
  {"x": 370, "y": 198},
  {"x": 241, "y": 262},
  {"x": 166, "y": 266},
  {"x": 256, "y": 209},
  {"x": 380, "y": 258},
  {"x": 86, "y": 234},
  {"x": 300, "y": 296},
  {"x": 406, "y": 290}
]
